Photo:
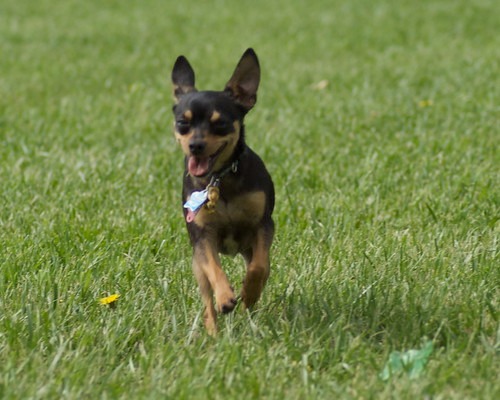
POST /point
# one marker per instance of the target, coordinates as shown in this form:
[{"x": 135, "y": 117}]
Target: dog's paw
[
  {"x": 226, "y": 301},
  {"x": 228, "y": 306},
  {"x": 249, "y": 301},
  {"x": 250, "y": 293}
]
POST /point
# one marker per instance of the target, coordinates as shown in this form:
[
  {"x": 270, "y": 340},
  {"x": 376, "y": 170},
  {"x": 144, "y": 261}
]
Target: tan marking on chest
[{"x": 247, "y": 209}]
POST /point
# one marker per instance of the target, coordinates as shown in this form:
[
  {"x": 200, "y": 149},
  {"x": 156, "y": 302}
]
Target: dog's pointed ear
[
  {"x": 182, "y": 77},
  {"x": 243, "y": 85}
]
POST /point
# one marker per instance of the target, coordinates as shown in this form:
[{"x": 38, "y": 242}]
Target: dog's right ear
[{"x": 182, "y": 78}]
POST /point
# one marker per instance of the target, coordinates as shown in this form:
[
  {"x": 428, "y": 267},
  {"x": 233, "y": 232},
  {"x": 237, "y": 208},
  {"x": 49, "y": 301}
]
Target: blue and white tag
[{"x": 196, "y": 200}]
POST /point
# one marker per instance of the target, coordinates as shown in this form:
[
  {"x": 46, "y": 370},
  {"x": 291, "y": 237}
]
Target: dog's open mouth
[{"x": 201, "y": 166}]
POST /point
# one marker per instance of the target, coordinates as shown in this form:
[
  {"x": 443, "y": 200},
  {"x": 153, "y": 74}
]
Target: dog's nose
[{"x": 196, "y": 147}]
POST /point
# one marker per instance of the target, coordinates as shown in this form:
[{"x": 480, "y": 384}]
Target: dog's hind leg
[{"x": 258, "y": 266}]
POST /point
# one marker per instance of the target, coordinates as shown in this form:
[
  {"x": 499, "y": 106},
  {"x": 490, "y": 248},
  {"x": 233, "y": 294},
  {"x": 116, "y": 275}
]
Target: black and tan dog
[{"x": 228, "y": 194}]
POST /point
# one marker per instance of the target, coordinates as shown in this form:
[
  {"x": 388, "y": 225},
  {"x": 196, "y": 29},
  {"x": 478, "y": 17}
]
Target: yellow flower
[
  {"x": 425, "y": 103},
  {"x": 110, "y": 300}
]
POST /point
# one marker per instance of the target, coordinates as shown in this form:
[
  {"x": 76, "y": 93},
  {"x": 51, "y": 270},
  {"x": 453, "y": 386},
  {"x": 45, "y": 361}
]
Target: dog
[{"x": 228, "y": 194}]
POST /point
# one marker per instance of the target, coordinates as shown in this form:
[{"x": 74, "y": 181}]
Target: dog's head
[{"x": 208, "y": 124}]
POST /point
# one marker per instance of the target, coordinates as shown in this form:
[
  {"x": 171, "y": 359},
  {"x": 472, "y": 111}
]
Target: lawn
[{"x": 379, "y": 122}]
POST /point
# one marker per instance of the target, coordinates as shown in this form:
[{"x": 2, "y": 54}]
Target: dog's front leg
[
  {"x": 206, "y": 292},
  {"x": 212, "y": 280}
]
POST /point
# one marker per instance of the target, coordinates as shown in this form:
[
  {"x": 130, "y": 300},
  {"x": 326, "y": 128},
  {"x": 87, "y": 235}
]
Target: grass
[{"x": 387, "y": 199}]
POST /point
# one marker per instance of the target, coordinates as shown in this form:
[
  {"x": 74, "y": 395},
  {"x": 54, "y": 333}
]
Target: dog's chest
[
  {"x": 233, "y": 222},
  {"x": 243, "y": 210}
]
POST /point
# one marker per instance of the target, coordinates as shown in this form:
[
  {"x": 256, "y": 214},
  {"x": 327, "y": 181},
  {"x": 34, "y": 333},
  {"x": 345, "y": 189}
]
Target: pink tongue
[{"x": 198, "y": 166}]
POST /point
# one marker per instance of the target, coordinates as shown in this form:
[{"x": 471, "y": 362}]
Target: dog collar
[{"x": 216, "y": 177}]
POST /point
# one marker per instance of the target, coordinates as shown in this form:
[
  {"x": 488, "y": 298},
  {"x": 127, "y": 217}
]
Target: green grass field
[{"x": 379, "y": 122}]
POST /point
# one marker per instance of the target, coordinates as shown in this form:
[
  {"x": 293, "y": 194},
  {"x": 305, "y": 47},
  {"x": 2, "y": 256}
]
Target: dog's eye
[
  {"x": 182, "y": 126},
  {"x": 220, "y": 127}
]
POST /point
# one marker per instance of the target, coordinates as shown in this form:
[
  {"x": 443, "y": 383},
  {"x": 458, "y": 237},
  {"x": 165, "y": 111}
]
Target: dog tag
[{"x": 196, "y": 200}]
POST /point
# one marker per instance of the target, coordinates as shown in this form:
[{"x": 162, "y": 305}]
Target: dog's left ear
[
  {"x": 243, "y": 85},
  {"x": 182, "y": 77}
]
